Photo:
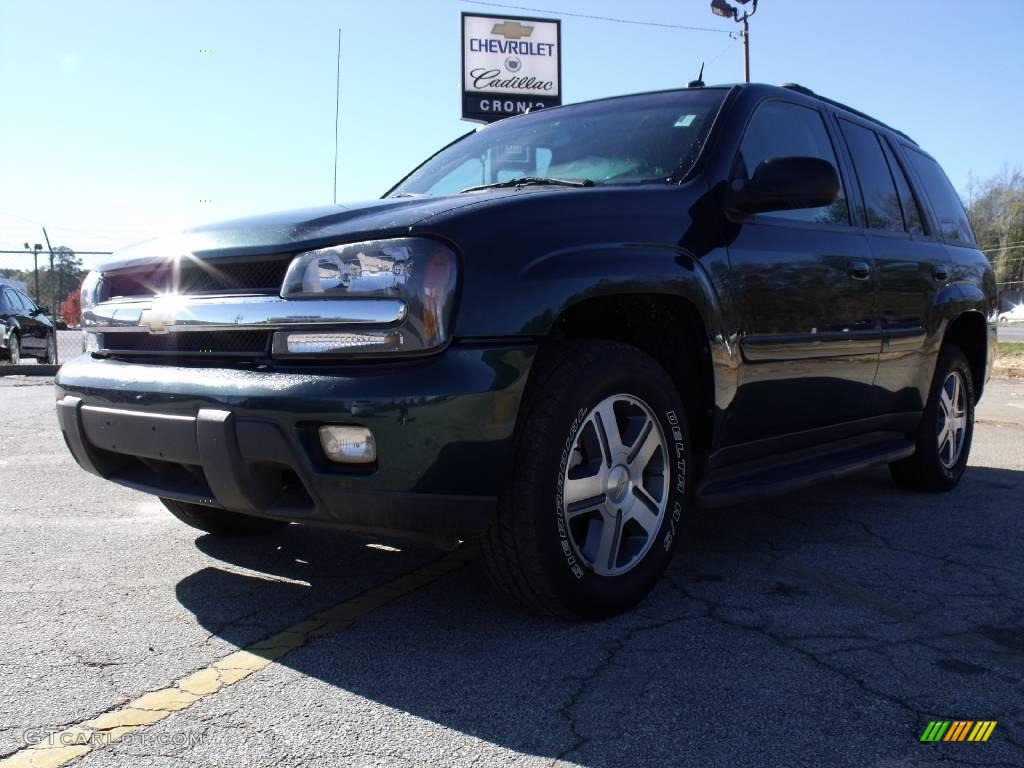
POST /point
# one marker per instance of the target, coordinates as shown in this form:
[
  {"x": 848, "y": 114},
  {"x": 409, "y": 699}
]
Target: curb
[{"x": 29, "y": 370}]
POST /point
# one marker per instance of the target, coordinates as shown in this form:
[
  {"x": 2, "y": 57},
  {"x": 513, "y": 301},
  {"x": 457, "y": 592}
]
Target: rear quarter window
[{"x": 949, "y": 209}]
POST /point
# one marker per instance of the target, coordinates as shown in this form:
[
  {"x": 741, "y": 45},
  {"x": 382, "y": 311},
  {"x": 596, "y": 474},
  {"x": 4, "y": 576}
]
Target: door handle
[
  {"x": 940, "y": 272},
  {"x": 858, "y": 270}
]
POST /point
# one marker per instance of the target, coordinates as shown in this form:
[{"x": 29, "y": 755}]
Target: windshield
[{"x": 651, "y": 137}]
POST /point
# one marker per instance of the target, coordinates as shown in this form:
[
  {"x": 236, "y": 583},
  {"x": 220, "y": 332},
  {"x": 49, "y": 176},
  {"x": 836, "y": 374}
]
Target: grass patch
[{"x": 1010, "y": 359}]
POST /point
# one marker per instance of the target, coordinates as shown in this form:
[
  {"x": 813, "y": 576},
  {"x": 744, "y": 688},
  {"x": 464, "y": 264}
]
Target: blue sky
[{"x": 114, "y": 125}]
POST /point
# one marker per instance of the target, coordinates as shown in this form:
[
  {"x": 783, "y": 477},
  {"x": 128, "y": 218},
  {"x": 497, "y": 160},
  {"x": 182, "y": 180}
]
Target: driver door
[{"x": 806, "y": 286}]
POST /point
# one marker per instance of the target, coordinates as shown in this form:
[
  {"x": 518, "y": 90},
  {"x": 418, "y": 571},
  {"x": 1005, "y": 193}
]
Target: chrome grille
[{"x": 254, "y": 275}]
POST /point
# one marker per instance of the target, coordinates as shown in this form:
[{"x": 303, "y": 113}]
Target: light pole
[
  {"x": 723, "y": 9},
  {"x": 53, "y": 287},
  {"x": 35, "y": 263}
]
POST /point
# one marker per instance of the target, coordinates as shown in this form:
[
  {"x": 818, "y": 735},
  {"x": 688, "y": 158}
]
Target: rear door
[
  {"x": 33, "y": 331},
  {"x": 909, "y": 266},
  {"x": 806, "y": 286}
]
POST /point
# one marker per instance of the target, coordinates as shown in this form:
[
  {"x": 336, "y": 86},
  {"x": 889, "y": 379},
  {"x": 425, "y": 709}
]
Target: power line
[
  {"x": 23, "y": 252},
  {"x": 1016, "y": 244},
  {"x": 599, "y": 18},
  {"x": 134, "y": 232}
]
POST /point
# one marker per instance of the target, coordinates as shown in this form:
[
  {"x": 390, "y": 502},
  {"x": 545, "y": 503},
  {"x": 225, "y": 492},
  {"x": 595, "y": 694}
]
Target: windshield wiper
[{"x": 525, "y": 181}]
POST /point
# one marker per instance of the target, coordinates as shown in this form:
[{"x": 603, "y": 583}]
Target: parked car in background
[
  {"x": 1015, "y": 315},
  {"x": 26, "y": 330}
]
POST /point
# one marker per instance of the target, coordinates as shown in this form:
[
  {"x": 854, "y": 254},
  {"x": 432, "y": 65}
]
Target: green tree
[{"x": 996, "y": 208}]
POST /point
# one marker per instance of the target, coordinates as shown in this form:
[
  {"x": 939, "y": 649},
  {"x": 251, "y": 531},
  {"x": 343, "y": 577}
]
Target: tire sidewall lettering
[
  {"x": 677, "y": 490},
  {"x": 563, "y": 535}
]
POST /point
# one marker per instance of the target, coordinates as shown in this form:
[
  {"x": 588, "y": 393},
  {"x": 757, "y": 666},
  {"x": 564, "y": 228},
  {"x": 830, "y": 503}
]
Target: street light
[
  {"x": 727, "y": 11},
  {"x": 35, "y": 262}
]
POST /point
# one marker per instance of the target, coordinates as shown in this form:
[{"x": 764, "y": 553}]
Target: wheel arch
[
  {"x": 969, "y": 331},
  {"x": 667, "y": 327}
]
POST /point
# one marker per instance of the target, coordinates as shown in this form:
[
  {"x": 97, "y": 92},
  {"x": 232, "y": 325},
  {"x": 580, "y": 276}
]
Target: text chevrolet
[{"x": 559, "y": 336}]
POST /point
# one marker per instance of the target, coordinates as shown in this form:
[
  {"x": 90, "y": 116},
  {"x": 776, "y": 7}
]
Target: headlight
[
  {"x": 419, "y": 272},
  {"x": 90, "y": 291},
  {"x": 90, "y": 288}
]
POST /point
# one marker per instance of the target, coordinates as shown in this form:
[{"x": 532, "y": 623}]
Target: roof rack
[{"x": 808, "y": 92}]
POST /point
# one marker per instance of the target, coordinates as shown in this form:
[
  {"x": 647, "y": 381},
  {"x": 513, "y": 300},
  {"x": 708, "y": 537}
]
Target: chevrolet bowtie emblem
[
  {"x": 512, "y": 30},
  {"x": 158, "y": 317}
]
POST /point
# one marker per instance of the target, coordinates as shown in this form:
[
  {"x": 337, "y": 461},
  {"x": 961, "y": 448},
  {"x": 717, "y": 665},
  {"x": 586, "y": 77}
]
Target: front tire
[
  {"x": 14, "y": 350},
  {"x": 220, "y": 522},
  {"x": 599, "y": 487},
  {"x": 946, "y": 430}
]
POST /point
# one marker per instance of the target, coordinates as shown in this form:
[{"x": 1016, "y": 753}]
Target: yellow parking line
[{"x": 108, "y": 728}]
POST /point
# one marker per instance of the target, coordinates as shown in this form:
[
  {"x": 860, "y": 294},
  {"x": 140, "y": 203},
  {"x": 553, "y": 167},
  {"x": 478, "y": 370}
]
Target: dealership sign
[{"x": 510, "y": 64}]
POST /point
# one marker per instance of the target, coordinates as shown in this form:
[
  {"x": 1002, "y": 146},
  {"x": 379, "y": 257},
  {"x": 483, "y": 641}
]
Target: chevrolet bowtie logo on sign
[
  {"x": 510, "y": 65},
  {"x": 512, "y": 30},
  {"x": 958, "y": 730}
]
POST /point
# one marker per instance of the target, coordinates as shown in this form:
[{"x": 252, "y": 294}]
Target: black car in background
[
  {"x": 25, "y": 330},
  {"x": 560, "y": 336}
]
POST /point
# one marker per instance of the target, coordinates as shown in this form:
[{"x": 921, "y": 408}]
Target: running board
[{"x": 789, "y": 471}]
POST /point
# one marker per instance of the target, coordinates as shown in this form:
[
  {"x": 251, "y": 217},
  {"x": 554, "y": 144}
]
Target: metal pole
[
  {"x": 337, "y": 109},
  {"x": 746, "y": 48},
  {"x": 50, "y": 247},
  {"x": 35, "y": 263}
]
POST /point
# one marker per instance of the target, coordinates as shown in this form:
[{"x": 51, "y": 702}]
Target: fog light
[
  {"x": 348, "y": 445},
  {"x": 307, "y": 343}
]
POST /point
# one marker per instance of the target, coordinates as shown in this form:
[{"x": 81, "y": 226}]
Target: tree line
[
  {"x": 996, "y": 208},
  {"x": 57, "y": 287}
]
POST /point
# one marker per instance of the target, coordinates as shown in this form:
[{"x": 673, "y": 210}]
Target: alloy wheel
[
  {"x": 952, "y": 419},
  {"x": 614, "y": 488}
]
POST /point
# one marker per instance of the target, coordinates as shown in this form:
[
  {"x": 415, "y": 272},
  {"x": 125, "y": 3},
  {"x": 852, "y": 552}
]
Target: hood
[{"x": 294, "y": 230}]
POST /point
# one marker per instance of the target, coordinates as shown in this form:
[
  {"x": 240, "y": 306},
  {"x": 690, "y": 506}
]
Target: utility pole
[
  {"x": 337, "y": 110},
  {"x": 50, "y": 247},
  {"x": 746, "y": 46},
  {"x": 726, "y": 11}
]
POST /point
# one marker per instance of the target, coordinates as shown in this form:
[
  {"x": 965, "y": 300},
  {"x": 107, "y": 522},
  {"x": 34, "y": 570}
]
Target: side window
[
  {"x": 11, "y": 300},
  {"x": 5, "y": 304},
  {"x": 949, "y": 210},
  {"x": 781, "y": 129},
  {"x": 911, "y": 210},
  {"x": 26, "y": 302},
  {"x": 881, "y": 203}
]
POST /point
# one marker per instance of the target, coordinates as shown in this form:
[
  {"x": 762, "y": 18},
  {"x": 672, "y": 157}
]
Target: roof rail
[{"x": 808, "y": 92}]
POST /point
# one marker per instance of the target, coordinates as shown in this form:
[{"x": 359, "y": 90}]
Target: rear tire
[
  {"x": 593, "y": 512},
  {"x": 50, "y": 356},
  {"x": 946, "y": 430},
  {"x": 220, "y": 522}
]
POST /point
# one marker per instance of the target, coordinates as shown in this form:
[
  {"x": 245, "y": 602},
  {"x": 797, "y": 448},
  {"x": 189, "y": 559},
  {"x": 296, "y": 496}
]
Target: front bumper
[{"x": 246, "y": 440}]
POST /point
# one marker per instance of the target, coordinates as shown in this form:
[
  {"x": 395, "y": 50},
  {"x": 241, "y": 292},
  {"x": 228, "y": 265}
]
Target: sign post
[{"x": 510, "y": 64}]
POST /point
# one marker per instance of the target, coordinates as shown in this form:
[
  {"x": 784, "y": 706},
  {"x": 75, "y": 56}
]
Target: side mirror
[
  {"x": 787, "y": 183},
  {"x": 41, "y": 310}
]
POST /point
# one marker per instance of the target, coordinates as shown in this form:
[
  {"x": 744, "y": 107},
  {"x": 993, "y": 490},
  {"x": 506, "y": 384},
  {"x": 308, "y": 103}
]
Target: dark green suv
[{"x": 559, "y": 336}]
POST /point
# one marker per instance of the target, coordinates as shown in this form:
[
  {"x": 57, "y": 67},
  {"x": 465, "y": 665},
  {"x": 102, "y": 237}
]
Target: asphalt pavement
[
  {"x": 1014, "y": 333},
  {"x": 824, "y": 628}
]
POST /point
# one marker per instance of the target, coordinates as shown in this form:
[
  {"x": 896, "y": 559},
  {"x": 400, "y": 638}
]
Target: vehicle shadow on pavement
[{"x": 835, "y": 622}]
